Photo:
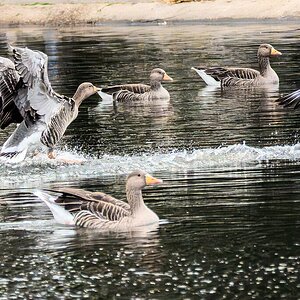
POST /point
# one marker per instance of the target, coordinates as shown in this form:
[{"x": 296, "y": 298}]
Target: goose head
[
  {"x": 159, "y": 75},
  {"x": 267, "y": 50},
  {"x": 138, "y": 179},
  {"x": 84, "y": 91}
]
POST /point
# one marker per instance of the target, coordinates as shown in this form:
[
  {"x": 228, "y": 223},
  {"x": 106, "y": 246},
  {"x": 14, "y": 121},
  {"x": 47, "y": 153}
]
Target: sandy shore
[{"x": 55, "y": 12}]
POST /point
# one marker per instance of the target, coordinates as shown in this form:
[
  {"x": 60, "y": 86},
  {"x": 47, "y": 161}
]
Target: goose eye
[{"x": 139, "y": 175}]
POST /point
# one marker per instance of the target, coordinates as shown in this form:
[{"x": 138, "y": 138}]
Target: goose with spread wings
[
  {"x": 138, "y": 91},
  {"x": 226, "y": 76},
  {"x": 26, "y": 97},
  {"x": 98, "y": 210}
]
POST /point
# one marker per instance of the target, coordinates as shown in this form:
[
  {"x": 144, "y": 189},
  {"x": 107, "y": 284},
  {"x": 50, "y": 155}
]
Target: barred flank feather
[
  {"x": 127, "y": 96},
  {"x": 87, "y": 219},
  {"x": 105, "y": 210},
  {"x": 58, "y": 125},
  {"x": 231, "y": 81}
]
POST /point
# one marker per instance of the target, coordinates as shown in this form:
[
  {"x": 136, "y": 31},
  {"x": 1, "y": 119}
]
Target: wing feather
[
  {"x": 135, "y": 88},
  {"x": 232, "y": 76},
  {"x": 127, "y": 96},
  {"x": 39, "y": 95},
  {"x": 292, "y": 99},
  {"x": 9, "y": 83},
  {"x": 101, "y": 205},
  {"x": 242, "y": 73}
]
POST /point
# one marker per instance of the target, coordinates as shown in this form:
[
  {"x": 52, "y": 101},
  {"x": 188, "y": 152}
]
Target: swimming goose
[
  {"x": 138, "y": 92},
  {"x": 99, "y": 210},
  {"x": 224, "y": 77},
  {"x": 26, "y": 97},
  {"x": 292, "y": 99}
]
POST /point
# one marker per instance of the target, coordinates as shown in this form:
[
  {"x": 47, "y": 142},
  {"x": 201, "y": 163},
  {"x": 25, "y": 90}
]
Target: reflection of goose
[
  {"x": 223, "y": 76},
  {"x": 26, "y": 97},
  {"x": 292, "y": 99},
  {"x": 207, "y": 91},
  {"x": 99, "y": 210},
  {"x": 138, "y": 92}
]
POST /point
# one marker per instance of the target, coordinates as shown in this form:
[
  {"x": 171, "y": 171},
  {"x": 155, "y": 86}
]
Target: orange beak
[
  {"x": 274, "y": 52},
  {"x": 152, "y": 180},
  {"x": 167, "y": 77}
]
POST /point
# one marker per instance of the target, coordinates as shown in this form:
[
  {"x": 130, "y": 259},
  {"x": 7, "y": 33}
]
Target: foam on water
[{"x": 40, "y": 169}]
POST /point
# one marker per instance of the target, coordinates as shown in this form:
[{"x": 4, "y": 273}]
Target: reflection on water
[{"x": 229, "y": 158}]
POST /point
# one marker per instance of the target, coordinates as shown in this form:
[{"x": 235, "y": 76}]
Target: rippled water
[{"x": 229, "y": 204}]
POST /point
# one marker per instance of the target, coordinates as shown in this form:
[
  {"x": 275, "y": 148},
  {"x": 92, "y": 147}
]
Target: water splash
[{"x": 40, "y": 169}]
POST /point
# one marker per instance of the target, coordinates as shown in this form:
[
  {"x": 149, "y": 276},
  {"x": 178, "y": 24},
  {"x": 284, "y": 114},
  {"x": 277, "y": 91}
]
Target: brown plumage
[
  {"x": 225, "y": 77},
  {"x": 102, "y": 211},
  {"x": 138, "y": 92},
  {"x": 26, "y": 97}
]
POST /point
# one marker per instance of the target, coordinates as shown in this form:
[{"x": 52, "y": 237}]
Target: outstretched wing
[
  {"x": 135, "y": 88},
  {"x": 98, "y": 204},
  {"x": 38, "y": 96},
  {"x": 36, "y": 99},
  {"x": 292, "y": 99},
  {"x": 9, "y": 84}
]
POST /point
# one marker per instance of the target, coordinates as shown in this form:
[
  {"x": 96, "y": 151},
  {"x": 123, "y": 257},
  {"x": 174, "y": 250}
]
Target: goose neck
[
  {"x": 78, "y": 97},
  {"x": 155, "y": 85},
  {"x": 264, "y": 64},
  {"x": 135, "y": 199}
]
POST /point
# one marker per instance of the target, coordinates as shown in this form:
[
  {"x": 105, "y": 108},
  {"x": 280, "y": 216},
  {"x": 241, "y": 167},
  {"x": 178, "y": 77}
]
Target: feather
[
  {"x": 61, "y": 215},
  {"x": 26, "y": 97},
  {"x": 292, "y": 99},
  {"x": 209, "y": 80},
  {"x": 243, "y": 76}
]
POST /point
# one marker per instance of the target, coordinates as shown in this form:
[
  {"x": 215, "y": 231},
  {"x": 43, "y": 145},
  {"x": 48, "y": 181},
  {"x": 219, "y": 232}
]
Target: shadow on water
[{"x": 229, "y": 204}]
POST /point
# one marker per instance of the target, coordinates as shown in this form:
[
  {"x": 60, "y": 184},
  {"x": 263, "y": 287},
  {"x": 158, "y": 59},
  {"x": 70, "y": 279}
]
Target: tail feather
[
  {"x": 209, "y": 80},
  {"x": 105, "y": 97},
  {"x": 60, "y": 215},
  {"x": 15, "y": 148},
  {"x": 12, "y": 156}
]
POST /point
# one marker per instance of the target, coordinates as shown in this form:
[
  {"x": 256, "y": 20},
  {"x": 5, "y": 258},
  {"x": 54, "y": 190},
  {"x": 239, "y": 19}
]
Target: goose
[
  {"x": 225, "y": 77},
  {"x": 292, "y": 99},
  {"x": 27, "y": 98},
  {"x": 138, "y": 92},
  {"x": 98, "y": 210}
]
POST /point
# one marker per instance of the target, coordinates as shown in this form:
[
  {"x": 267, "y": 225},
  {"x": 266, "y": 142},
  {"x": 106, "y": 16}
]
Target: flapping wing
[
  {"x": 38, "y": 96},
  {"x": 9, "y": 84},
  {"x": 292, "y": 99},
  {"x": 98, "y": 204},
  {"x": 135, "y": 88}
]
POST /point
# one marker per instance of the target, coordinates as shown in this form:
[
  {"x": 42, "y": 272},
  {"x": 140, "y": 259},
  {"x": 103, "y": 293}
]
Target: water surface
[{"x": 229, "y": 204}]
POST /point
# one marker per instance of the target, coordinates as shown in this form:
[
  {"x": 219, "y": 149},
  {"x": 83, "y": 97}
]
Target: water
[{"x": 229, "y": 204}]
